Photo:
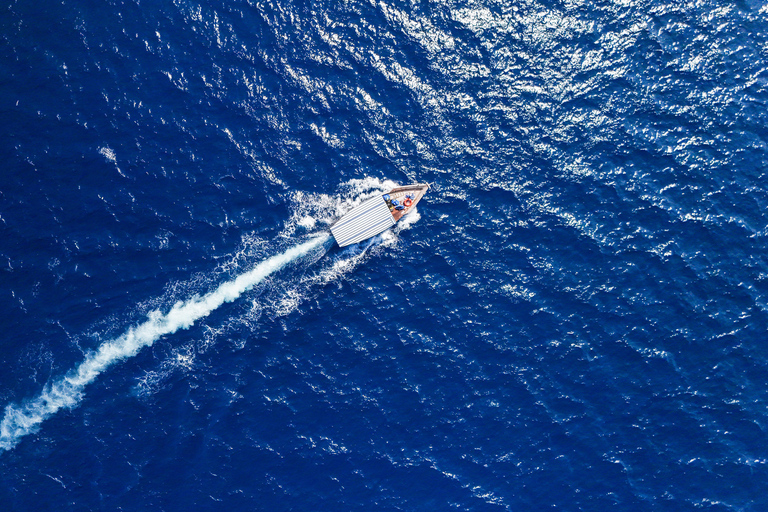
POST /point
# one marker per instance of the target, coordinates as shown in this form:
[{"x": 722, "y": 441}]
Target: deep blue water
[{"x": 575, "y": 319}]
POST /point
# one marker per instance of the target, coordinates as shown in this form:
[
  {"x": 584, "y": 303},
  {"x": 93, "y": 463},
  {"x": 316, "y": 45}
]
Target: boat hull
[{"x": 377, "y": 214}]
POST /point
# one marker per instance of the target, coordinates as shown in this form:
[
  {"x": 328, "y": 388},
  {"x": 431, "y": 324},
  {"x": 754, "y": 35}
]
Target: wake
[{"x": 68, "y": 390}]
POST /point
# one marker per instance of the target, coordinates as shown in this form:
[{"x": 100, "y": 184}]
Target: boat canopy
[{"x": 363, "y": 221}]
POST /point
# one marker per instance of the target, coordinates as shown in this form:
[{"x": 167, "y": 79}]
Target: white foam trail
[{"x": 68, "y": 390}]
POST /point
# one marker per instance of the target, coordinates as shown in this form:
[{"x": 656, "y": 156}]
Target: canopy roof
[{"x": 363, "y": 221}]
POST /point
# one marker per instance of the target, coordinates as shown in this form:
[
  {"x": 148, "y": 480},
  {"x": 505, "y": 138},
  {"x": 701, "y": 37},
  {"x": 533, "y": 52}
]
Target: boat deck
[{"x": 415, "y": 192}]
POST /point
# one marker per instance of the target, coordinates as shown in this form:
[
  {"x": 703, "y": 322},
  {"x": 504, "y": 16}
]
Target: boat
[{"x": 377, "y": 214}]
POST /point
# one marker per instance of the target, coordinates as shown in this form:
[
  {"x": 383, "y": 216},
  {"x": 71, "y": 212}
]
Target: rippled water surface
[{"x": 574, "y": 319}]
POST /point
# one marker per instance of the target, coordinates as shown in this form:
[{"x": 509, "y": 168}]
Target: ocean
[{"x": 573, "y": 319}]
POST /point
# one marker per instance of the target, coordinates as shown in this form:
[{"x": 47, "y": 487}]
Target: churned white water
[{"x": 20, "y": 420}]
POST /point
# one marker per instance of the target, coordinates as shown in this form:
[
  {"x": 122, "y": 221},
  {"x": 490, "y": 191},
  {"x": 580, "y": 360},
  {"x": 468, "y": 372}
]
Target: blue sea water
[{"x": 574, "y": 319}]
